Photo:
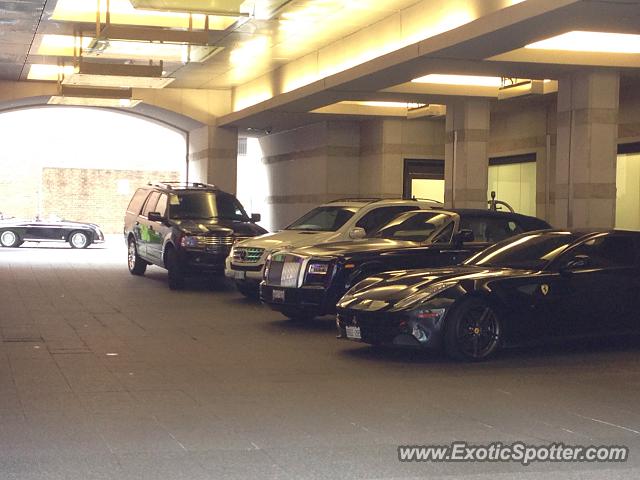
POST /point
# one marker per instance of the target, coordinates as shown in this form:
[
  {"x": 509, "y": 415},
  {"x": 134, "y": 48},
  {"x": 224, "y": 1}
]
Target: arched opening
[{"x": 83, "y": 163}]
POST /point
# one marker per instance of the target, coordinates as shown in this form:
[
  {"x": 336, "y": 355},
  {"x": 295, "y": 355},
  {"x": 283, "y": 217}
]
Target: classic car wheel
[
  {"x": 176, "y": 276},
  {"x": 9, "y": 238},
  {"x": 79, "y": 240},
  {"x": 473, "y": 332},
  {"x": 137, "y": 266}
]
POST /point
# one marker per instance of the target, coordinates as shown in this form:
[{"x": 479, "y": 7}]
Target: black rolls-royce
[
  {"x": 533, "y": 286},
  {"x": 307, "y": 282},
  {"x": 14, "y": 232}
]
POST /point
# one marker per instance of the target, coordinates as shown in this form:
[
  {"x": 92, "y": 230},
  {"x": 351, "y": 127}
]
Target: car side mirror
[
  {"x": 464, "y": 236},
  {"x": 576, "y": 263},
  {"x": 357, "y": 233},
  {"x": 155, "y": 217},
  {"x": 255, "y": 217}
]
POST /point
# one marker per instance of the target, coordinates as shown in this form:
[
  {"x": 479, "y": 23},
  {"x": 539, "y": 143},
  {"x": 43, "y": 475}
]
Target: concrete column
[
  {"x": 585, "y": 193},
  {"x": 213, "y": 157},
  {"x": 466, "y": 160},
  {"x": 386, "y": 143},
  {"x": 310, "y": 165}
]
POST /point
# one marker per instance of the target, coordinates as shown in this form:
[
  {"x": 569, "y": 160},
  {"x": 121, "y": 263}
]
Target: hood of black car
[
  {"x": 391, "y": 287},
  {"x": 219, "y": 227}
]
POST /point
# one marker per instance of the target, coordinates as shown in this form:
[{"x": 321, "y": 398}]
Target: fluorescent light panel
[
  {"x": 117, "y": 76},
  {"x": 39, "y": 71},
  {"x": 210, "y": 7},
  {"x": 116, "y": 81},
  {"x": 123, "y": 13},
  {"x": 404, "y": 105},
  {"x": 466, "y": 80},
  {"x": 581, "y": 41},
  {"x": 94, "y": 97}
]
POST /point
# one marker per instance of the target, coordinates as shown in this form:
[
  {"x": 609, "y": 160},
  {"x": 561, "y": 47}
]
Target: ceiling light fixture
[
  {"x": 382, "y": 104},
  {"x": 39, "y": 71},
  {"x": 464, "y": 80},
  {"x": 94, "y": 97},
  {"x": 582, "y": 41},
  {"x": 117, "y": 75},
  {"x": 209, "y": 7},
  {"x": 122, "y": 12}
]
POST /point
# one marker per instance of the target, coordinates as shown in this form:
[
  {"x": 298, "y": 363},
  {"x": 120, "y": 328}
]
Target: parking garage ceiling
[{"x": 292, "y": 61}]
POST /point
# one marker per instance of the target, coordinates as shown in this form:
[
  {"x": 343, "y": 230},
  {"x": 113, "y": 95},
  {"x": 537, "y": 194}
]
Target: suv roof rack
[{"x": 182, "y": 185}]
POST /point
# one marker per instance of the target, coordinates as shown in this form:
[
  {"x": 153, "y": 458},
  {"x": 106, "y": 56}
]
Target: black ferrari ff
[{"x": 530, "y": 287}]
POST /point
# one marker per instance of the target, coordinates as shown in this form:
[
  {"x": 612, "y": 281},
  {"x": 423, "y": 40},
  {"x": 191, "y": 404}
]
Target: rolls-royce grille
[
  {"x": 284, "y": 270},
  {"x": 247, "y": 254}
]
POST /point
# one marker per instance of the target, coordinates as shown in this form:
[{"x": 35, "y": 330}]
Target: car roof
[
  {"x": 585, "y": 232},
  {"x": 360, "y": 202},
  {"x": 474, "y": 211}
]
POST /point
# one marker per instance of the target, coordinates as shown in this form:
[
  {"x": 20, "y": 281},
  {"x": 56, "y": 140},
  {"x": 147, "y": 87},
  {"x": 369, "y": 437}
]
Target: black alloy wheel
[{"x": 473, "y": 332}]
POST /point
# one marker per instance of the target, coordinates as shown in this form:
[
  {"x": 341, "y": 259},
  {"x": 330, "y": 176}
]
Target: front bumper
[
  {"x": 199, "y": 261},
  {"x": 390, "y": 329},
  {"x": 249, "y": 273},
  {"x": 307, "y": 298}
]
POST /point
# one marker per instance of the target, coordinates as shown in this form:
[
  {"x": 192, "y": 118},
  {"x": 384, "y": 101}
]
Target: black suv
[{"x": 187, "y": 228}]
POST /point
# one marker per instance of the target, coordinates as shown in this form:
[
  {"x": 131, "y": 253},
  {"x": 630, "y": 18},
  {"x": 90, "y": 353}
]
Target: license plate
[
  {"x": 353, "y": 333},
  {"x": 239, "y": 275},
  {"x": 277, "y": 295}
]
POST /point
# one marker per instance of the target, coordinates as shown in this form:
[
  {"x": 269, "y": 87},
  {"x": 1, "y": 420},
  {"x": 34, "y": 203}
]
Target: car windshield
[
  {"x": 531, "y": 251},
  {"x": 324, "y": 219},
  {"x": 205, "y": 205},
  {"x": 413, "y": 226}
]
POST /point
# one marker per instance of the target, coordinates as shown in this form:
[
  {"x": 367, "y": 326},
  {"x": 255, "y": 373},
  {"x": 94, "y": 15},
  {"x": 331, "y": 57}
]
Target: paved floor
[{"x": 108, "y": 376}]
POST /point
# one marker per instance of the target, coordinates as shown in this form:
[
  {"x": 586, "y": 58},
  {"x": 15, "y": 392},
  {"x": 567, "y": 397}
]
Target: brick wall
[{"x": 92, "y": 195}]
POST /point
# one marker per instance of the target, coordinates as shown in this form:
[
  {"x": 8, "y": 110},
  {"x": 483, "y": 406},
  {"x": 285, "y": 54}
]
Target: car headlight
[
  {"x": 422, "y": 296},
  {"x": 190, "y": 241}
]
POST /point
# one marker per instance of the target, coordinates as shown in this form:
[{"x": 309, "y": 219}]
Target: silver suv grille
[
  {"x": 247, "y": 254},
  {"x": 284, "y": 270}
]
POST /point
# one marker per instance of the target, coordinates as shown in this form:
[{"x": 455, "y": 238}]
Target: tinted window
[
  {"x": 446, "y": 234},
  {"x": 151, "y": 203},
  {"x": 606, "y": 251},
  {"x": 381, "y": 216},
  {"x": 490, "y": 229},
  {"x": 205, "y": 205},
  {"x": 135, "y": 205},
  {"x": 416, "y": 227},
  {"x": 529, "y": 251},
  {"x": 161, "y": 206},
  {"x": 323, "y": 219}
]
